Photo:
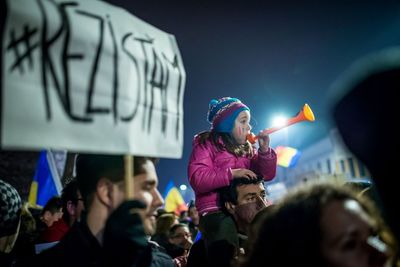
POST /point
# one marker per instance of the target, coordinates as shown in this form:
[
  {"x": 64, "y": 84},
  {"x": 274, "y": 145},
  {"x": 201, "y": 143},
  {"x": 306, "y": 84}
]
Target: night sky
[{"x": 274, "y": 56}]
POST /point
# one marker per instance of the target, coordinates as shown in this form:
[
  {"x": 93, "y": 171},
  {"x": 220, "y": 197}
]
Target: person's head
[
  {"x": 180, "y": 236},
  {"x": 101, "y": 183},
  {"x": 364, "y": 113},
  {"x": 72, "y": 202},
  {"x": 52, "y": 211},
  {"x": 243, "y": 199},
  {"x": 165, "y": 222},
  {"x": 366, "y": 103},
  {"x": 320, "y": 225},
  {"x": 193, "y": 213},
  {"x": 10, "y": 211},
  {"x": 229, "y": 115}
]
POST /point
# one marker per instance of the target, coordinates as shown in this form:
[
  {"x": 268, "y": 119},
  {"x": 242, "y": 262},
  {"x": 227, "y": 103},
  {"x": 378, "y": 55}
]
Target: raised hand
[{"x": 263, "y": 141}]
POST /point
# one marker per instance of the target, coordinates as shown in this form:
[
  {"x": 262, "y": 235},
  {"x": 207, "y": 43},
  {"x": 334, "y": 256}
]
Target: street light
[
  {"x": 279, "y": 120},
  {"x": 182, "y": 187}
]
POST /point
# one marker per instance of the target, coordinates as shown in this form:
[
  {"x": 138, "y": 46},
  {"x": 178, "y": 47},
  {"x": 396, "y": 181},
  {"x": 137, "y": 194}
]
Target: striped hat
[
  {"x": 223, "y": 112},
  {"x": 10, "y": 209}
]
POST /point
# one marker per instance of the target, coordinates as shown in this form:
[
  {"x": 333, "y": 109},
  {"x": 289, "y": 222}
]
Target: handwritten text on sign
[{"x": 89, "y": 76}]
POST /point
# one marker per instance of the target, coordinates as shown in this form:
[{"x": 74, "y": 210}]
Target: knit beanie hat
[
  {"x": 223, "y": 112},
  {"x": 10, "y": 209}
]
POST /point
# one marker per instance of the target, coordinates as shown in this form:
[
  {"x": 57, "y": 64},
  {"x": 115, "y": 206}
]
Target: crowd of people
[{"x": 231, "y": 222}]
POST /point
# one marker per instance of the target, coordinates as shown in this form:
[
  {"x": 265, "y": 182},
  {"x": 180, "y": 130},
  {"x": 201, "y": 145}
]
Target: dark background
[{"x": 273, "y": 55}]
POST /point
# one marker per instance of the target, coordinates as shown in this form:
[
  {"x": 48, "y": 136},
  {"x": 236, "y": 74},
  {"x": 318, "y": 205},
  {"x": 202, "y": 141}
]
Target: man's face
[
  {"x": 251, "y": 200},
  {"x": 250, "y": 193},
  {"x": 146, "y": 191}
]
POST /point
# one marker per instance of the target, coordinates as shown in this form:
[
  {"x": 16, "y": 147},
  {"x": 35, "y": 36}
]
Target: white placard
[{"x": 89, "y": 76}]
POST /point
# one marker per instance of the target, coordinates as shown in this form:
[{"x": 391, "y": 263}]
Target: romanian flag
[
  {"x": 287, "y": 156},
  {"x": 173, "y": 199},
  {"x": 46, "y": 182}
]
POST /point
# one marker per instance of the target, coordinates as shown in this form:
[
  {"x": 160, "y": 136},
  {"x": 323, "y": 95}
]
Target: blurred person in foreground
[
  {"x": 112, "y": 231},
  {"x": 321, "y": 225},
  {"x": 365, "y": 112}
]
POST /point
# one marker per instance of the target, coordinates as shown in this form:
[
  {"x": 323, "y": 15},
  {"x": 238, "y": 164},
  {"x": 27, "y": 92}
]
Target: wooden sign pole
[{"x": 129, "y": 185}]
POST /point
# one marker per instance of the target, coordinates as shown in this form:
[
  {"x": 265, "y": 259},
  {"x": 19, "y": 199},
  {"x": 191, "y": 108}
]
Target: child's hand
[
  {"x": 263, "y": 141},
  {"x": 243, "y": 173}
]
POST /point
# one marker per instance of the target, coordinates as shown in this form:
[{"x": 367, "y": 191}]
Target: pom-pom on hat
[
  {"x": 223, "y": 112},
  {"x": 10, "y": 209}
]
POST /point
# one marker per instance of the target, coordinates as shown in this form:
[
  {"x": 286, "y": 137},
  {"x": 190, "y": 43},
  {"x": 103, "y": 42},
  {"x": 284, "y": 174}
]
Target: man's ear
[
  {"x": 230, "y": 207},
  {"x": 104, "y": 191}
]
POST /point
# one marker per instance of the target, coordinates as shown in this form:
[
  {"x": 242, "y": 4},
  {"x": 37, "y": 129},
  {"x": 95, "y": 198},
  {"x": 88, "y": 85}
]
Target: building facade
[{"x": 328, "y": 158}]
